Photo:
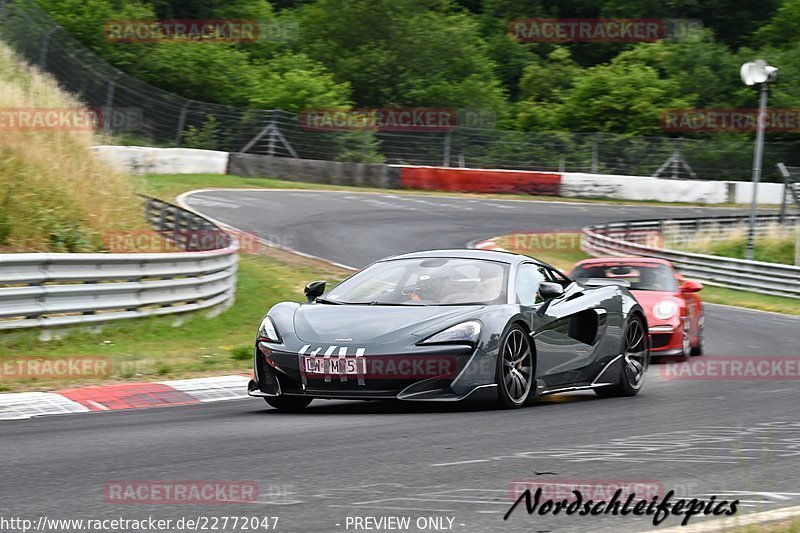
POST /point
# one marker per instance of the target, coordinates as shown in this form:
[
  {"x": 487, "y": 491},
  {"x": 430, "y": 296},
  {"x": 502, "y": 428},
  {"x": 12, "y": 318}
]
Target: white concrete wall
[
  {"x": 146, "y": 160},
  {"x": 580, "y": 185},
  {"x": 643, "y": 188},
  {"x": 768, "y": 193}
]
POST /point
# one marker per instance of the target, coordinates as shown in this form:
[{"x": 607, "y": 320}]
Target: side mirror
[
  {"x": 549, "y": 290},
  {"x": 691, "y": 286},
  {"x": 314, "y": 290}
]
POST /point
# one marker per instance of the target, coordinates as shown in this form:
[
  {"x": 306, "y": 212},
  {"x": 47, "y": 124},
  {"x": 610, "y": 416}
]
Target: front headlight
[
  {"x": 267, "y": 331},
  {"x": 665, "y": 309},
  {"x": 464, "y": 333}
]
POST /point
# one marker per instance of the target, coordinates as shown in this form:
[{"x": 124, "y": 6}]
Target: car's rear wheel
[
  {"x": 635, "y": 360},
  {"x": 288, "y": 403},
  {"x": 514, "y": 369}
]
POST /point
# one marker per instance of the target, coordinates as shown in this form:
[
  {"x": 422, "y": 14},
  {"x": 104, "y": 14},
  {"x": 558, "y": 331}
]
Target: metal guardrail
[
  {"x": 646, "y": 237},
  {"x": 57, "y": 289}
]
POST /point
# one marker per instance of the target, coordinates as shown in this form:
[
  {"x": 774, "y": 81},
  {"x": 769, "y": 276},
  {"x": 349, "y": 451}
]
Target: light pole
[{"x": 761, "y": 74}]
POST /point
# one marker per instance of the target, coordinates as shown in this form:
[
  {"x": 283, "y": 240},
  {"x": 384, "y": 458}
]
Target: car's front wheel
[
  {"x": 514, "y": 369},
  {"x": 635, "y": 360},
  {"x": 288, "y": 403}
]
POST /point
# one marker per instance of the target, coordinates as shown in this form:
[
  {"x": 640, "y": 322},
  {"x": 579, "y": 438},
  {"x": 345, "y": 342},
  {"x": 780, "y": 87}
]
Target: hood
[{"x": 371, "y": 323}]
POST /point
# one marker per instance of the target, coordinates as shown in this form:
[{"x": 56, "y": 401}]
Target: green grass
[
  {"x": 168, "y": 186},
  {"x": 151, "y": 349},
  {"x": 564, "y": 257},
  {"x": 770, "y": 250}
]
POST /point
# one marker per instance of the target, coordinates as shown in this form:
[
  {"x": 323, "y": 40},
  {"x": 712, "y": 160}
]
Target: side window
[{"x": 527, "y": 283}]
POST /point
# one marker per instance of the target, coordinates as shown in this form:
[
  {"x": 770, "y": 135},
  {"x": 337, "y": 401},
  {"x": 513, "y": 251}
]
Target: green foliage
[
  {"x": 209, "y": 72},
  {"x": 359, "y": 147},
  {"x": 293, "y": 82},
  {"x": 206, "y": 137},
  {"x": 458, "y": 54},
  {"x": 615, "y": 98},
  {"x": 781, "y": 31},
  {"x": 403, "y": 52},
  {"x": 67, "y": 237}
]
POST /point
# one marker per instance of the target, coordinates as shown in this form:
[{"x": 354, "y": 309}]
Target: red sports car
[{"x": 674, "y": 311}]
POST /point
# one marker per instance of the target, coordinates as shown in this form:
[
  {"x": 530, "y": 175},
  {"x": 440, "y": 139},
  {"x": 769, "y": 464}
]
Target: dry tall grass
[{"x": 54, "y": 196}]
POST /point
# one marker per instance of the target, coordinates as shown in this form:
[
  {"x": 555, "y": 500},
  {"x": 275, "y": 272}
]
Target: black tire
[
  {"x": 686, "y": 353},
  {"x": 635, "y": 360},
  {"x": 515, "y": 369},
  {"x": 291, "y": 404},
  {"x": 697, "y": 349}
]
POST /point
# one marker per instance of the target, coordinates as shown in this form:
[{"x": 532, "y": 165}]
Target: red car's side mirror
[{"x": 691, "y": 286}]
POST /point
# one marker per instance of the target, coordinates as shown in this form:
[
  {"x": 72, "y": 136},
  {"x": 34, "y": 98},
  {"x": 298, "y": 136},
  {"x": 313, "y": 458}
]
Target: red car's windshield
[{"x": 642, "y": 277}]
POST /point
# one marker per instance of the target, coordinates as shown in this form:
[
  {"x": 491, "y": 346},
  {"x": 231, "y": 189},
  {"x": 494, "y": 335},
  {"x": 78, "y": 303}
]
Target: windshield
[
  {"x": 642, "y": 277},
  {"x": 425, "y": 281}
]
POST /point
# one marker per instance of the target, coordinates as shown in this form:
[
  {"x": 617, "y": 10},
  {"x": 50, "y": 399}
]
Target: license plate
[{"x": 336, "y": 366}]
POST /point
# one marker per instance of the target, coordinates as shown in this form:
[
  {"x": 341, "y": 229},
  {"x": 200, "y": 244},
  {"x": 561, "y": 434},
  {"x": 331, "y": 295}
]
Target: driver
[{"x": 425, "y": 289}]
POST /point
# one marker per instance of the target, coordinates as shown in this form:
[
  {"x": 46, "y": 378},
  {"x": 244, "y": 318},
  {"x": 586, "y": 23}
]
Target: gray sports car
[{"x": 450, "y": 324}]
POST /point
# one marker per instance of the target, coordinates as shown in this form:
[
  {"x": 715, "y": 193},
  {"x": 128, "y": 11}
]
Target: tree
[
  {"x": 402, "y": 52},
  {"x": 781, "y": 31},
  {"x": 615, "y": 98},
  {"x": 702, "y": 68},
  {"x": 294, "y": 82}
]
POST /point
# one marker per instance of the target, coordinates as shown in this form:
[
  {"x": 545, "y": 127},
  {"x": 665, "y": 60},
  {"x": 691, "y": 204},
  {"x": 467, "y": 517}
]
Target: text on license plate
[{"x": 335, "y": 365}]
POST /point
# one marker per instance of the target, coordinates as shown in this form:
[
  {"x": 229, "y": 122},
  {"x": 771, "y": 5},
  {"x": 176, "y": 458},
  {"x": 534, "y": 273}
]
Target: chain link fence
[{"x": 165, "y": 119}]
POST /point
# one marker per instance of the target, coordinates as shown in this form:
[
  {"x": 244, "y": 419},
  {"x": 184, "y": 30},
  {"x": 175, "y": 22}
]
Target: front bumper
[
  {"x": 667, "y": 339},
  {"x": 470, "y": 372}
]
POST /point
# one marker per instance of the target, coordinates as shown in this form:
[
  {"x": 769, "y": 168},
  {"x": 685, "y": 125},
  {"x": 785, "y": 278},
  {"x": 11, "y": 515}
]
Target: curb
[
  {"x": 123, "y": 396},
  {"x": 488, "y": 244}
]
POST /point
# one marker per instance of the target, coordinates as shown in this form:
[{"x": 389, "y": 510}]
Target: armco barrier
[
  {"x": 481, "y": 180},
  {"x": 627, "y": 238},
  {"x": 56, "y": 289}
]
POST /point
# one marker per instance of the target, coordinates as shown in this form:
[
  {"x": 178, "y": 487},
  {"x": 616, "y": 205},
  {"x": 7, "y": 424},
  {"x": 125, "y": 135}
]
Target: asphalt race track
[{"x": 735, "y": 440}]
